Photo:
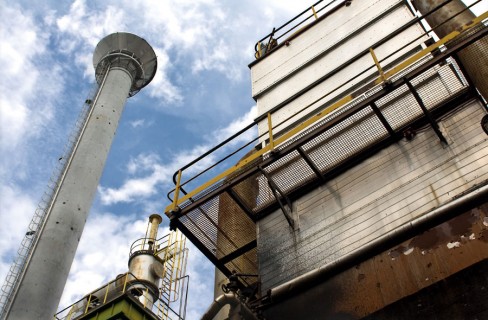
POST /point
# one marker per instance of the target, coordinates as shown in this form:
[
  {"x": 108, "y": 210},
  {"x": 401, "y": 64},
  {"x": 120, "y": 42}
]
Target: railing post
[
  {"x": 177, "y": 190},
  {"x": 125, "y": 282},
  {"x": 270, "y": 130},
  {"x": 314, "y": 13},
  {"x": 88, "y": 303},
  {"x": 377, "y": 63},
  {"x": 106, "y": 294}
]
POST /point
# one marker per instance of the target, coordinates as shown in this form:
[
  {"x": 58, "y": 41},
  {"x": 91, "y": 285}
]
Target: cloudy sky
[{"x": 200, "y": 95}]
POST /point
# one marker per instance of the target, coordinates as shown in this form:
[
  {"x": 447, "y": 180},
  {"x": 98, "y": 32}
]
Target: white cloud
[
  {"x": 27, "y": 92},
  {"x": 160, "y": 174},
  {"x": 199, "y": 36},
  {"x": 133, "y": 189},
  {"x": 219, "y": 58},
  {"x": 161, "y": 87},
  {"x": 137, "y": 123},
  {"x": 142, "y": 163},
  {"x": 17, "y": 209},
  {"x": 235, "y": 126},
  {"x": 102, "y": 253},
  {"x": 83, "y": 27},
  {"x": 138, "y": 189},
  {"x": 22, "y": 43}
]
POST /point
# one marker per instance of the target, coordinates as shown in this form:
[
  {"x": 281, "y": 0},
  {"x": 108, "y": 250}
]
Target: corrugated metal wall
[
  {"x": 403, "y": 283},
  {"x": 400, "y": 183},
  {"x": 321, "y": 49}
]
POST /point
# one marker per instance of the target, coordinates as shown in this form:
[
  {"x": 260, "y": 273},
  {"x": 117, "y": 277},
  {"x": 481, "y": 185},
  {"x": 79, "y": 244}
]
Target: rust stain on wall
[{"x": 415, "y": 264}]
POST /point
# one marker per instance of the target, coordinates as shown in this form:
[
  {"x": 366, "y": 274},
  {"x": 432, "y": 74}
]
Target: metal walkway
[{"x": 319, "y": 149}]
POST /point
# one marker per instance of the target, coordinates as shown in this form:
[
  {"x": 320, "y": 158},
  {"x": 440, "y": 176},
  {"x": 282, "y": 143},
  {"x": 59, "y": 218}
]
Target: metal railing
[
  {"x": 113, "y": 290},
  {"x": 172, "y": 252},
  {"x": 319, "y": 9},
  {"x": 273, "y": 141}
]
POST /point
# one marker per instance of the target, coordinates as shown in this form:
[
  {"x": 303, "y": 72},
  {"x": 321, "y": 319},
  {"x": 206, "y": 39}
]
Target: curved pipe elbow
[{"x": 233, "y": 301}]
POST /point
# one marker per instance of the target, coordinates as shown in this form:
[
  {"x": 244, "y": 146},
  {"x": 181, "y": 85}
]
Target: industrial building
[
  {"x": 155, "y": 286},
  {"x": 362, "y": 197}
]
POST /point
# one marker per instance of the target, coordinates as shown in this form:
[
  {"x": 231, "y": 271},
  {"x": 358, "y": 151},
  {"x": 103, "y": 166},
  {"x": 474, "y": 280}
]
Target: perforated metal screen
[{"x": 220, "y": 220}]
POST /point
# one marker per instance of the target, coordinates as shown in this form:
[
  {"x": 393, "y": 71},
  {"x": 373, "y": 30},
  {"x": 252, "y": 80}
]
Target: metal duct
[
  {"x": 450, "y": 17},
  {"x": 238, "y": 310}
]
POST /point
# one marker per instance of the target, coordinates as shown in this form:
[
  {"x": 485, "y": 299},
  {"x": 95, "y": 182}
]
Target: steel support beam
[
  {"x": 426, "y": 112},
  {"x": 279, "y": 194}
]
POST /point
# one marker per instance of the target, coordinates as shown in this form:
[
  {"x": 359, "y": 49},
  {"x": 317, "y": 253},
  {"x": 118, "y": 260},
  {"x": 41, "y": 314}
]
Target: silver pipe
[
  {"x": 398, "y": 235},
  {"x": 234, "y": 302},
  {"x": 453, "y": 16},
  {"x": 154, "y": 221}
]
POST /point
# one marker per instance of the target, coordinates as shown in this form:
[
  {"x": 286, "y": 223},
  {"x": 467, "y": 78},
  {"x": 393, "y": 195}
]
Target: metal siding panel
[
  {"x": 309, "y": 74},
  {"x": 316, "y": 40},
  {"x": 391, "y": 188},
  {"x": 326, "y": 64}
]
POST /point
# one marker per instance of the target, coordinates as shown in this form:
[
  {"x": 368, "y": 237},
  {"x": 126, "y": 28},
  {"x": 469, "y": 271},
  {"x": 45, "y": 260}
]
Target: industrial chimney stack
[{"x": 124, "y": 64}]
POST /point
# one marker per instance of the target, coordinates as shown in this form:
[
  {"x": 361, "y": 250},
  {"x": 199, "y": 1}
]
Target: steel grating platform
[{"x": 370, "y": 122}]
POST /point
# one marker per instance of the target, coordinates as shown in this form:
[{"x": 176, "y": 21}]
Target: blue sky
[{"x": 200, "y": 95}]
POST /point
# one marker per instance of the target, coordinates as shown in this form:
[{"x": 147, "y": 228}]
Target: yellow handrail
[{"x": 318, "y": 116}]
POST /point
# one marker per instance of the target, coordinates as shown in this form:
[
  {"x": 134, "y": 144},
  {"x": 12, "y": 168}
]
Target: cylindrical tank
[
  {"x": 124, "y": 63},
  {"x": 145, "y": 268},
  {"x": 451, "y": 17},
  {"x": 145, "y": 272}
]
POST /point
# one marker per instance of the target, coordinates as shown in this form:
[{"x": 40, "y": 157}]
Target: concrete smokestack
[
  {"x": 452, "y": 16},
  {"x": 124, "y": 63}
]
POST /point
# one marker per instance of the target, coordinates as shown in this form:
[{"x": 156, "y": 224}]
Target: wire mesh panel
[
  {"x": 221, "y": 217},
  {"x": 290, "y": 172},
  {"x": 223, "y": 228},
  {"x": 352, "y": 135}
]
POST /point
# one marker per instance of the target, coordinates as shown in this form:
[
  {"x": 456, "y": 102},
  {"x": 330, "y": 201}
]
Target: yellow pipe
[
  {"x": 70, "y": 313},
  {"x": 323, "y": 113},
  {"x": 145, "y": 298},
  {"x": 153, "y": 225},
  {"x": 125, "y": 282}
]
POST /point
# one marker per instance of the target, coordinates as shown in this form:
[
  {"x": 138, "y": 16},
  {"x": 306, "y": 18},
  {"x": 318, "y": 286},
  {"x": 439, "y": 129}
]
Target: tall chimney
[{"x": 124, "y": 64}]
